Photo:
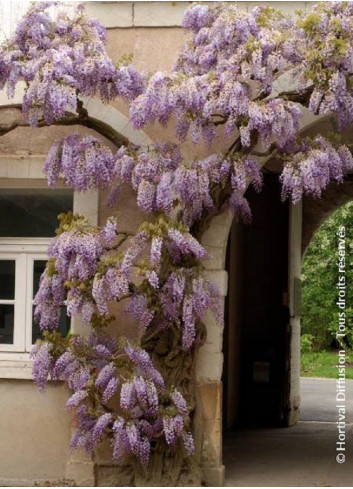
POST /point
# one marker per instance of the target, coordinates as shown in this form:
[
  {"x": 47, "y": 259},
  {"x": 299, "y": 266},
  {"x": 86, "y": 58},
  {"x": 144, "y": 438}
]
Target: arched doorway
[
  {"x": 256, "y": 337},
  {"x": 261, "y": 380}
]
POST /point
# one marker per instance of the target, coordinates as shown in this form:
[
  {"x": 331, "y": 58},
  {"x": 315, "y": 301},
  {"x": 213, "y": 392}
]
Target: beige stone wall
[
  {"x": 35, "y": 433},
  {"x": 35, "y": 429}
]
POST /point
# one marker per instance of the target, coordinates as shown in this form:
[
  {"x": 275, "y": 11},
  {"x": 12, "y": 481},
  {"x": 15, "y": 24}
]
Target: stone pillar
[
  {"x": 80, "y": 467},
  {"x": 295, "y": 260},
  {"x": 209, "y": 365},
  {"x": 209, "y": 396}
]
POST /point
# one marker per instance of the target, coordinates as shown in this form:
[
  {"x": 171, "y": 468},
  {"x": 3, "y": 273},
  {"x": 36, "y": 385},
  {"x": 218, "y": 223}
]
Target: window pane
[
  {"x": 7, "y": 279},
  {"x": 32, "y": 212},
  {"x": 64, "y": 323},
  {"x": 6, "y": 323}
]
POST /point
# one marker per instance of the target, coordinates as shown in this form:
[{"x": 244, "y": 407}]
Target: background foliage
[{"x": 319, "y": 280}]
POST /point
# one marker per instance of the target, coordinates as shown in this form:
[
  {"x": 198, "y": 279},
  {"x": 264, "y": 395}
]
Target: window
[{"x": 28, "y": 221}]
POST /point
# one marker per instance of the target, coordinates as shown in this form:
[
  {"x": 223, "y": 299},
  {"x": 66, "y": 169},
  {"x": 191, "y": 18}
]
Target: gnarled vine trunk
[{"x": 172, "y": 468}]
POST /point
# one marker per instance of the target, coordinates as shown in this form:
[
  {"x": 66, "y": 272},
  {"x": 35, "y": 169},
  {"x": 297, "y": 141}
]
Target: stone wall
[
  {"x": 35, "y": 433},
  {"x": 315, "y": 211},
  {"x": 151, "y": 32}
]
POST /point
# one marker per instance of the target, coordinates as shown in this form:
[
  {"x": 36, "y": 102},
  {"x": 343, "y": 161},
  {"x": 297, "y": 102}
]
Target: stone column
[
  {"x": 295, "y": 261},
  {"x": 209, "y": 366},
  {"x": 80, "y": 467}
]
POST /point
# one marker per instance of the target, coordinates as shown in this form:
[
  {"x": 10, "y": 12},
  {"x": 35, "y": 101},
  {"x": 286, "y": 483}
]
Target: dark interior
[{"x": 256, "y": 337}]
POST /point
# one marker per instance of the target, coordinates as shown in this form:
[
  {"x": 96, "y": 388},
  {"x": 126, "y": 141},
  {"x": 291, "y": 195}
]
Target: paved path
[
  {"x": 303, "y": 455},
  {"x": 318, "y": 400}
]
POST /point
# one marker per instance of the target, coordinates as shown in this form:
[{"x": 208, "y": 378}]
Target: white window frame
[
  {"x": 24, "y": 251},
  {"x": 19, "y": 305},
  {"x": 31, "y": 258},
  {"x": 28, "y": 173}
]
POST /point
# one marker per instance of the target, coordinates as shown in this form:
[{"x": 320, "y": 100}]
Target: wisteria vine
[{"x": 224, "y": 86}]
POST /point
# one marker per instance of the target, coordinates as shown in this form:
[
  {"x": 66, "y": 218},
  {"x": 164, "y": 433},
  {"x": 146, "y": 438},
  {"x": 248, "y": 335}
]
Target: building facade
[{"x": 35, "y": 429}]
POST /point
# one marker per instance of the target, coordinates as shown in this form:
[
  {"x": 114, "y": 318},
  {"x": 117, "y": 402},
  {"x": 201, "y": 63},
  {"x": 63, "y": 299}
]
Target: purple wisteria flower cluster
[
  {"x": 164, "y": 181},
  {"x": 312, "y": 168},
  {"x": 222, "y": 75},
  {"x": 83, "y": 162},
  {"x": 228, "y": 76},
  {"x": 161, "y": 178},
  {"x": 86, "y": 273},
  {"x": 328, "y": 61},
  {"x": 60, "y": 60},
  {"x": 74, "y": 256},
  {"x": 149, "y": 411}
]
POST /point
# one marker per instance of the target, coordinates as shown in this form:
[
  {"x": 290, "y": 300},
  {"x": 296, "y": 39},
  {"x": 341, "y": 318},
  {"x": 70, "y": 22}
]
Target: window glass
[
  {"x": 7, "y": 279},
  {"x": 27, "y": 213},
  {"x": 7, "y": 296},
  {"x": 64, "y": 323},
  {"x": 6, "y": 323}
]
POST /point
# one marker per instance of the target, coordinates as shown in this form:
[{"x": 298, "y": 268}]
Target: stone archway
[
  {"x": 210, "y": 359},
  {"x": 304, "y": 219},
  {"x": 316, "y": 211}
]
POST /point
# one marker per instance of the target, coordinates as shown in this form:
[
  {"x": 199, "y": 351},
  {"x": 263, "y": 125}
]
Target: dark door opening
[{"x": 256, "y": 337}]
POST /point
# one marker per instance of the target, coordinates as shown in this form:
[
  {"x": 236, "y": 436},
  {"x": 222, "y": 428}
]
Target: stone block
[
  {"x": 216, "y": 261},
  {"x": 214, "y": 332},
  {"x": 209, "y": 400},
  {"x": 87, "y": 203},
  {"x": 225, "y": 218},
  {"x": 81, "y": 471},
  {"x": 16, "y": 168},
  {"x": 212, "y": 442},
  {"x": 35, "y": 168},
  {"x": 158, "y": 14},
  {"x": 216, "y": 235},
  {"x": 114, "y": 476},
  {"x": 111, "y": 14},
  {"x": 213, "y": 476},
  {"x": 220, "y": 278},
  {"x": 209, "y": 365}
]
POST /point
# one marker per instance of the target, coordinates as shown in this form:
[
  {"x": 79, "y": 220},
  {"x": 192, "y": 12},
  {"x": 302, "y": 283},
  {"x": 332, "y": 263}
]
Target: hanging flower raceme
[
  {"x": 274, "y": 121},
  {"x": 310, "y": 170},
  {"x": 232, "y": 59},
  {"x": 49, "y": 298},
  {"x": 83, "y": 162},
  {"x": 163, "y": 181},
  {"x": 96, "y": 369},
  {"x": 86, "y": 162},
  {"x": 74, "y": 256},
  {"x": 158, "y": 301},
  {"x": 150, "y": 173},
  {"x": 327, "y": 64},
  {"x": 195, "y": 185},
  {"x": 183, "y": 300},
  {"x": 87, "y": 271},
  {"x": 61, "y": 59}
]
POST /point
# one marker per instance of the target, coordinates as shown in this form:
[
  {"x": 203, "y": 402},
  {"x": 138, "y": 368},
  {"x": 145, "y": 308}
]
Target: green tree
[{"x": 319, "y": 280}]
